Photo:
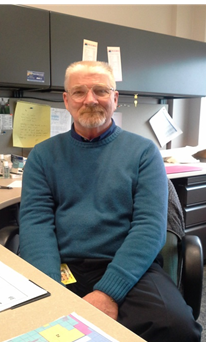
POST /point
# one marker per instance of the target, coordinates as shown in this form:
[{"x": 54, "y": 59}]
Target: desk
[
  {"x": 61, "y": 302},
  {"x": 9, "y": 203},
  {"x": 191, "y": 190},
  {"x": 188, "y": 173},
  {"x": 9, "y": 197}
]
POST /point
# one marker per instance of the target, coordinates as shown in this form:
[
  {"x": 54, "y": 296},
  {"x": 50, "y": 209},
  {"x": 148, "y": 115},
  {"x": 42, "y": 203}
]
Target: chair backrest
[
  {"x": 9, "y": 238},
  {"x": 171, "y": 252},
  {"x": 182, "y": 255}
]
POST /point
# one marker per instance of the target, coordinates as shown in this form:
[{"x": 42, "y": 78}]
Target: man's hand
[{"x": 103, "y": 302}]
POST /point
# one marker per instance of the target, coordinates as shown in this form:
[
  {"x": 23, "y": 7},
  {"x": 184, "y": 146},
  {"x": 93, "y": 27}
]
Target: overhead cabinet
[
  {"x": 25, "y": 53},
  {"x": 38, "y": 45},
  {"x": 152, "y": 63}
]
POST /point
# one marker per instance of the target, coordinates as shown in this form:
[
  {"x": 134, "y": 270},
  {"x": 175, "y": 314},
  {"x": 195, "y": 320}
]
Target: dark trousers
[{"x": 154, "y": 309}]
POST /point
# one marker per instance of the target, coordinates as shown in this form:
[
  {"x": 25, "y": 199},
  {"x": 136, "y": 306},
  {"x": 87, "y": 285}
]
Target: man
[{"x": 95, "y": 199}]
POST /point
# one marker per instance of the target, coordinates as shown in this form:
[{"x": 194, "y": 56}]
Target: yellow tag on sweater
[{"x": 66, "y": 275}]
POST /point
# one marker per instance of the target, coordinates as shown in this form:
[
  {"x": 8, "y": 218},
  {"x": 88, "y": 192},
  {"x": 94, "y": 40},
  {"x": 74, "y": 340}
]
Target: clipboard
[
  {"x": 17, "y": 290},
  {"x": 44, "y": 295}
]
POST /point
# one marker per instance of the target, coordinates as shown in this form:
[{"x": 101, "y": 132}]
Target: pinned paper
[
  {"x": 164, "y": 127},
  {"x": 89, "y": 50},
  {"x": 6, "y": 121},
  {"x": 31, "y": 124},
  {"x": 114, "y": 60},
  {"x": 60, "y": 121}
]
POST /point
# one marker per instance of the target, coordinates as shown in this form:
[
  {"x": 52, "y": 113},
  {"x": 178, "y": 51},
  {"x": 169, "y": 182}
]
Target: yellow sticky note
[{"x": 31, "y": 124}]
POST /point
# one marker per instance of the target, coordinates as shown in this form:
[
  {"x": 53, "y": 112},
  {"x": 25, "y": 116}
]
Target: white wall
[
  {"x": 186, "y": 21},
  {"x": 155, "y": 18}
]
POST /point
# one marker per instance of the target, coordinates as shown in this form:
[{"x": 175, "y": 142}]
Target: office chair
[
  {"x": 182, "y": 254},
  {"x": 9, "y": 238}
]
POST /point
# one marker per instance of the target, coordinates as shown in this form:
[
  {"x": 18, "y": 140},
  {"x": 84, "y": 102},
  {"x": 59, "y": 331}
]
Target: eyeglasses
[{"x": 79, "y": 93}]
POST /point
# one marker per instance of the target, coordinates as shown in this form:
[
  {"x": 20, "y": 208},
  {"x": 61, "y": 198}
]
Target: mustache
[{"x": 91, "y": 110}]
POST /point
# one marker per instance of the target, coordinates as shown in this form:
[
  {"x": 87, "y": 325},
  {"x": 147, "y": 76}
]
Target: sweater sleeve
[
  {"x": 147, "y": 233},
  {"x": 37, "y": 219}
]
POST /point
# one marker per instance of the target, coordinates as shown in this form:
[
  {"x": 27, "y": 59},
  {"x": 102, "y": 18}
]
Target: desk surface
[
  {"x": 9, "y": 197},
  {"x": 62, "y": 302},
  {"x": 188, "y": 173}
]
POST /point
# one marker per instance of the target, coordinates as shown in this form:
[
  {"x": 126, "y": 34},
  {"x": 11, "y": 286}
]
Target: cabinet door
[
  {"x": 25, "y": 54},
  {"x": 154, "y": 64}
]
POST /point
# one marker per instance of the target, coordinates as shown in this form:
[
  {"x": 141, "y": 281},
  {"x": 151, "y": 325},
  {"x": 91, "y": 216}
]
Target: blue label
[{"x": 35, "y": 76}]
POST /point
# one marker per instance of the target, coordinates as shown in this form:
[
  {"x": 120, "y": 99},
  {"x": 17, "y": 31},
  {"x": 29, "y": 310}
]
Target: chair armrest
[
  {"x": 170, "y": 257},
  {"x": 192, "y": 274},
  {"x": 9, "y": 238}
]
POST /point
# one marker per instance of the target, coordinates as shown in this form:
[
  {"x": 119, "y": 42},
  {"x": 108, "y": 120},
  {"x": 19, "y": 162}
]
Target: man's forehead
[{"x": 83, "y": 76}]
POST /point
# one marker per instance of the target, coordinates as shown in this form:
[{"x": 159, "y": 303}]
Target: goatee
[{"x": 92, "y": 117}]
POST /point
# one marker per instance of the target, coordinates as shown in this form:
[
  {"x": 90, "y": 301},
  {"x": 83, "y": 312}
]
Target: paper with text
[
  {"x": 89, "y": 50},
  {"x": 6, "y": 122},
  {"x": 68, "y": 328},
  {"x": 114, "y": 60},
  {"x": 15, "y": 289},
  {"x": 164, "y": 126},
  {"x": 31, "y": 124},
  {"x": 60, "y": 121}
]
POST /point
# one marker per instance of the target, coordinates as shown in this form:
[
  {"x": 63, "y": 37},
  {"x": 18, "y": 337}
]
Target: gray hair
[{"x": 95, "y": 66}]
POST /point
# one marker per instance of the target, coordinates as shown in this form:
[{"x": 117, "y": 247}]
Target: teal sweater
[{"x": 105, "y": 199}]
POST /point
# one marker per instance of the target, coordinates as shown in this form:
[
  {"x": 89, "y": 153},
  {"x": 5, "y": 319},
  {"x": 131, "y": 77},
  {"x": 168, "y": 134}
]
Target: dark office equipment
[
  {"x": 152, "y": 63},
  {"x": 24, "y": 40},
  {"x": 192, "y": 194},
  {"x": 9, "y": 238},
  {"x": 38, "y": 45}
]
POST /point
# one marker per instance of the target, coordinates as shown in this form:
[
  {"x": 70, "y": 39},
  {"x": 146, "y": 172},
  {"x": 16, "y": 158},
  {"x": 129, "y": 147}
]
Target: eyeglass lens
[{"x": 80, "y": 92}]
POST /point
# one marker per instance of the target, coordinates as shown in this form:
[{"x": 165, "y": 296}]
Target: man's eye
[
  {"x": 78, "y": 93},
  {"x": 101, "y": 91}
]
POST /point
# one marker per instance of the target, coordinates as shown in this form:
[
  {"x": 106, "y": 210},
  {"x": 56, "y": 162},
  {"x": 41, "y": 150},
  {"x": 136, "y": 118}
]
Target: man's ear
[
  {"x": 116, "y": 97},
  {"x": 65, "y": 98}
]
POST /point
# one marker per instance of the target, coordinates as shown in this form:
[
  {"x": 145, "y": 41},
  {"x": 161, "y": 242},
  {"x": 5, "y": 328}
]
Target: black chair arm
[
  {"x": 192, "y": 273},
  {"x": 9, "y": 238}
]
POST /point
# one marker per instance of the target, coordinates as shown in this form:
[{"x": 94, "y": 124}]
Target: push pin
[{"x": 135, "y": 100}]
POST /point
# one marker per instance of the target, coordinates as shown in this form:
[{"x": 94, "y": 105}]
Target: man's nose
[{"x": 90, "y": 97}]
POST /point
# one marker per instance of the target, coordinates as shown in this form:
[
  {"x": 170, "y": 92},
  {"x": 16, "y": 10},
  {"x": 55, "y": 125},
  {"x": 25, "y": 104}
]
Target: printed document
[
  {"x": 17, "y": 290},
  {"x": 69, "y": 328},
  {"x": 164, "y": 127}
]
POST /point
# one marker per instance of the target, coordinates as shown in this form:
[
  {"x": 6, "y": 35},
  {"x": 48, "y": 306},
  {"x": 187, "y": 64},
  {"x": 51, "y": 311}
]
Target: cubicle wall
[
  {"x": 133, "y": 118},
  {"x": 6, "y": 141}
]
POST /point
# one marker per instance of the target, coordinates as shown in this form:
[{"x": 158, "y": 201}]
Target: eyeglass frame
[{"x": 84, "y": 85}]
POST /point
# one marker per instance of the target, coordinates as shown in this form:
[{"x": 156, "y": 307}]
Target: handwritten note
[{"x": 31, "y": 124}]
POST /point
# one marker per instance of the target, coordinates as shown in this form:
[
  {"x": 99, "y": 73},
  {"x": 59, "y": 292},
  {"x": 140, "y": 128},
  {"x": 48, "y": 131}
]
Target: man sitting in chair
[{"x": 95, "y": 198}]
